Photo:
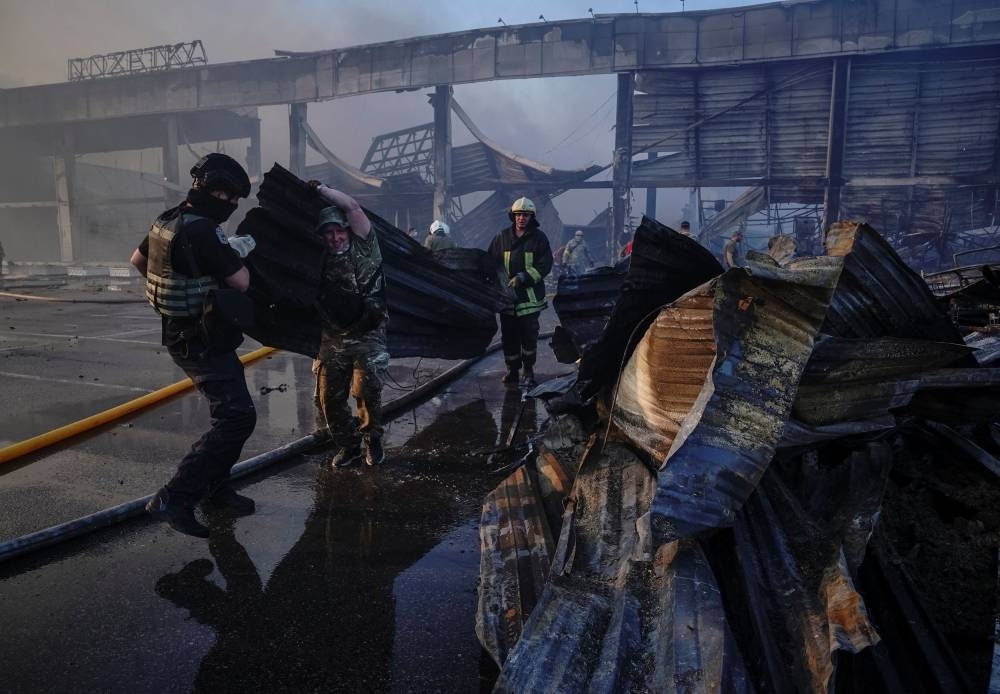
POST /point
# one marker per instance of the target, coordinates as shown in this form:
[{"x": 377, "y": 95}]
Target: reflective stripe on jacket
[
  {"x": 169, "y": 292},
  {"x": 531, "y": 255}
]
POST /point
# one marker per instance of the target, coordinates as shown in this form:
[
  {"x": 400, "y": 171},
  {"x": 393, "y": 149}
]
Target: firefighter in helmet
[{"x": 524, "y": 252}]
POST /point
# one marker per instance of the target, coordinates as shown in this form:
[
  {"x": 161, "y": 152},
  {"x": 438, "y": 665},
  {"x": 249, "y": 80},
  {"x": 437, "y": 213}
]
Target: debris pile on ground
[
  {"x": 438, "y": 307},
  {"x": 784, "y": 478}
]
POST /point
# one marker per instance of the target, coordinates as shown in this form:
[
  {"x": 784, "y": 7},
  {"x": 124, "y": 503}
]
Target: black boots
[
  {"x": 180, "y": 518},
  {"x": 528, "y": 378},
  {"x": 374, "y": 453},
  {"x": 510, "y": 376},
  {"x": 225, "y": 497}
]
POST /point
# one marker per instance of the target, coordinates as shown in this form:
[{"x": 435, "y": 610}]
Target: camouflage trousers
[{"x": 361, "y": 376}]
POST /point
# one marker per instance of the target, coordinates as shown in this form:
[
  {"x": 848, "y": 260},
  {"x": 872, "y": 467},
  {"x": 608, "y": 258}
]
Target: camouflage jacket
[{"x": 353, "y": 279}]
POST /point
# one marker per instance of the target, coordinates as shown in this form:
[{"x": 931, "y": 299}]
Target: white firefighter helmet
[
  {"x": 579, "y": 233},
  {"x": 438, "y": 224},
  {"x": 522, "y": 205}
]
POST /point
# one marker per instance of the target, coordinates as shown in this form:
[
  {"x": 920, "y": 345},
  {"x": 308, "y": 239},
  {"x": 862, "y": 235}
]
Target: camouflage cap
[{"x": 331, "y": 215}]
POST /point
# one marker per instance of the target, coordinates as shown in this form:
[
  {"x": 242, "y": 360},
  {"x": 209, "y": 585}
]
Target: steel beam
[
  {"x": 622, "y": 160},
  {"x": 651, "y": 192},
  {"x": 171, "y": 163},
  {"x": 441, "y": 101},
  {"x": 839, "y": 90}
]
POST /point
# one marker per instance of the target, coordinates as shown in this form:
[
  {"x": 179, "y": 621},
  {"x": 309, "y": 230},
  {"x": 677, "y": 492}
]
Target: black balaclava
[{"x": 205, "y": 204}]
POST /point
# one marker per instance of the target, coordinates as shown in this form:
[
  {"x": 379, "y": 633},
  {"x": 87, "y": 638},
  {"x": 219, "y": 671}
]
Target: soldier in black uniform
[{"x": 184, "y": 256}]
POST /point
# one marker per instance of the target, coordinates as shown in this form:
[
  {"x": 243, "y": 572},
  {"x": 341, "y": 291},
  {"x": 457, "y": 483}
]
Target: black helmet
[{"x": 219, "y": 171}]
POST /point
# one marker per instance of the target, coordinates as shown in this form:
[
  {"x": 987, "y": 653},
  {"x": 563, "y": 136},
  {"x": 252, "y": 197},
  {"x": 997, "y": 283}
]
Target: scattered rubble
[{"x": 777, "y": 478}]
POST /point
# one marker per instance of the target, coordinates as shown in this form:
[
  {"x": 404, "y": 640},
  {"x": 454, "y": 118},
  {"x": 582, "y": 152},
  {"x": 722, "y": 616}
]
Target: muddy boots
[{"x": 180, "y": 518}]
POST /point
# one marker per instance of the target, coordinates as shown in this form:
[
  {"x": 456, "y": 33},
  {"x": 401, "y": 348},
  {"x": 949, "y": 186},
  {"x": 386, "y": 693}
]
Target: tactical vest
[{"x": 169, "y": 292}]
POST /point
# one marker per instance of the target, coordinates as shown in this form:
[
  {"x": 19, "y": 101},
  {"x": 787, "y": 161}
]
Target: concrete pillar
[
  {"x": 441, "y": 101},
  {"x": 622, "y": 160},
  {"x": 171, "y": 160},
  {"x": 65, "y": 174},
  {"x": 297, "y": 139},
  {"x": 651, "y": 192}
]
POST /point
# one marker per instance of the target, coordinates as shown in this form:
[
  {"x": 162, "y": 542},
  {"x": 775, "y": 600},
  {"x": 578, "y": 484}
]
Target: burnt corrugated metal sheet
[
  {"x": 877, "y": 294},
  {"x": 520, "y": 523},
  {"x": 433, "y": 310},
  {"x": 847, "y": 380},
  {"x": 799, "y": 539},
  {"x": 584, "y": 304},
  {"x": 622, "y": 615},
  {"x": 751, "y": 353},
  {"x": 663, "y": 266}
]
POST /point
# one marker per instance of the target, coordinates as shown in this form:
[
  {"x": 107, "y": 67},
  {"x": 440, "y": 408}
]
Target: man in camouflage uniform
[{"x": 353, "y": 358}]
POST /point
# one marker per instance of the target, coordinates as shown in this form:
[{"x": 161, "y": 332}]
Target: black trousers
[
  {"x": 220, "y": 378},
  {"x": 519, "y": 336}
]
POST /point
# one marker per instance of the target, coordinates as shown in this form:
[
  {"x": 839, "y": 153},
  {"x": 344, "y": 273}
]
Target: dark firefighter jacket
[{"x": 530, "y": 257}]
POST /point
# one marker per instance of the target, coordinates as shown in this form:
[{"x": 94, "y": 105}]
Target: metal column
[
  {"x": 64, "y": 167},
  {"x": 253, "y": 152},
  {"x": 297, "y": 139},
  {"x": 651, "y": 193},
  {"x": 622, "y": 160},
  {"x": 835, "y": 141},
  {"x": 171, "y": 163},
  {"x": 441, "y": 101}
]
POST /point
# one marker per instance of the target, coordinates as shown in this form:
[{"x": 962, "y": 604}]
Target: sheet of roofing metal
[
  {"x": 763, "y": 327},
  {"x": 621, "y": 616},
  {"x": 585, "y": 302},
  {"x": 515, "y": 545},
  {"x": 877, "y": 294},
  {"x": 433, "y": 310},
  {"x": 521, "y": 519},
  {"x": 799, "y": 539},
  {"x": 664, "y": 265},
  {"x": 853, "y": 379}
]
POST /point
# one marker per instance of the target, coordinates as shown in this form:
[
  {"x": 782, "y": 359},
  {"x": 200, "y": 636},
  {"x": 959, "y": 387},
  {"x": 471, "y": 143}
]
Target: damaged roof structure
[
  {"x": 783, "y": 478},
  {"x": 396, "y": 180}
]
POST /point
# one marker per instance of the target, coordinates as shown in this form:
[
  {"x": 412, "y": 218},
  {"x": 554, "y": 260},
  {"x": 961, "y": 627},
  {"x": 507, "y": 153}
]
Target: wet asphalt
[{"x": 343, "y": 580}]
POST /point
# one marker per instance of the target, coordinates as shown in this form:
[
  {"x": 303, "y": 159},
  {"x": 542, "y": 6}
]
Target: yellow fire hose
[{"x": 36, "y": 443}]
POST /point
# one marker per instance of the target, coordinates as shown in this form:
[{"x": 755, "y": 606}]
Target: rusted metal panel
[
  {"x": 664, "y": 265},
  {"x": 799, "y": 539},
  {"x": 515, "y": 545},
  {"x": 621, "y": 615},
  {"x": 749, "y": 362},
  {"x": 521, "y": 520}
]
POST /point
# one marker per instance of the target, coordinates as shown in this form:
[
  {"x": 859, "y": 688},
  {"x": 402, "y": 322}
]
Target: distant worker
[
  {"x": 184, "y": 256},
  {"x": 686, "y": 228},
  {"x": 438, "y": 238},
  {"x": 353, "y": 358},
  {"x": 526, "y": 256},
  {"x": 732, "y": 254},
  {"x": 576, "y": 258}
]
